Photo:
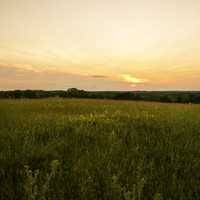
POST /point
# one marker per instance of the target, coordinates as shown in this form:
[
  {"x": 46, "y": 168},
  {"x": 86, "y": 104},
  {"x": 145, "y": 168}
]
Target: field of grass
[{"x": 99, "y": 149}]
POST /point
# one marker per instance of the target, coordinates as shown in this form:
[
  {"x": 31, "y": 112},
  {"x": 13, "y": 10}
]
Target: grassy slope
[{"x": 106, "y": 149}]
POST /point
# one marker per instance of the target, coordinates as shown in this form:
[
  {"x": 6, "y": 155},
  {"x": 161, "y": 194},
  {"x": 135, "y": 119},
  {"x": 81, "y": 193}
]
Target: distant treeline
[{"x": 160, "y": 96}]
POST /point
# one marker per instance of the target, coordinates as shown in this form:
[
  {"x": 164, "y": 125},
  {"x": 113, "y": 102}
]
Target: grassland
[{"x": 97, "y": 149}]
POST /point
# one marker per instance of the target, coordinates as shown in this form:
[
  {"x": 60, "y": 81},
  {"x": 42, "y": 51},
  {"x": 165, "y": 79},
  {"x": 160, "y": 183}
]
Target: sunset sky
[{"x": 100, "y": 44}]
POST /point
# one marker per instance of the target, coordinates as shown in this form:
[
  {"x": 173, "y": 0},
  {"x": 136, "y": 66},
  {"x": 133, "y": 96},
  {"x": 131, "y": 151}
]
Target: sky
[{"x": 100, "y": 44}]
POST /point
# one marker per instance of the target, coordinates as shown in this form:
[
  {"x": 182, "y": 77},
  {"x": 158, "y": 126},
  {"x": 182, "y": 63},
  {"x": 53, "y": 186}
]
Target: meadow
[{"x": 75, "y": 149}]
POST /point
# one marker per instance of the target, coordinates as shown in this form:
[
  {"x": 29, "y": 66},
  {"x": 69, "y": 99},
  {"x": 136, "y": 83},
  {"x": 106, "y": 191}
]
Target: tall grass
[{"x": 99, "y": 149}]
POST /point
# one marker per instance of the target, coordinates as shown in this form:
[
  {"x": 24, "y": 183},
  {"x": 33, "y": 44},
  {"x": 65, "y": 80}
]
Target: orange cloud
[{"x": 18, "y": 77}]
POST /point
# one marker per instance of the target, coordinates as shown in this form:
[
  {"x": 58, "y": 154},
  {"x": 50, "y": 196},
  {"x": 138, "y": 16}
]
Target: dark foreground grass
[{"x": 96, "y": 149}]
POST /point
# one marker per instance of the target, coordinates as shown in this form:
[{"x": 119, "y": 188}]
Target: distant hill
[{"x": 160, "y": 96}]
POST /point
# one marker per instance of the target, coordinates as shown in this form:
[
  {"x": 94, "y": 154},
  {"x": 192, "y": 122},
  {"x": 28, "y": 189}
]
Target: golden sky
[{"x": 100, "y": 44}]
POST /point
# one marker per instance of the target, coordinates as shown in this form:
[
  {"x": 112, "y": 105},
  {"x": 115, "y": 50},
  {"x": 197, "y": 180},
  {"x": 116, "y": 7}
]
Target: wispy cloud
[
  {"x": 99, "y": 76},
  {"x": 17, "y": 66}
]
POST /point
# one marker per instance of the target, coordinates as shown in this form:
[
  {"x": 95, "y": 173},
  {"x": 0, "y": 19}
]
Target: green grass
[{"x": 99, "y": 149}]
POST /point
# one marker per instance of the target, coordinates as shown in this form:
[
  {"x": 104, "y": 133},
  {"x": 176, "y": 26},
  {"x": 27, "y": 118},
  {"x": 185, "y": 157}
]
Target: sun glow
[{"x": 132, "y": 79}]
